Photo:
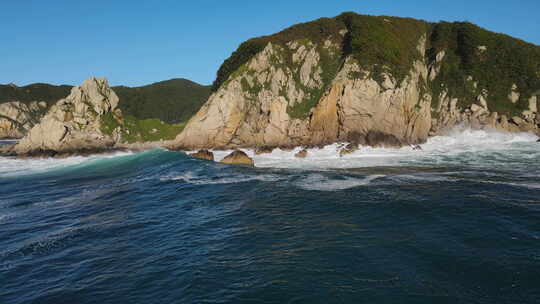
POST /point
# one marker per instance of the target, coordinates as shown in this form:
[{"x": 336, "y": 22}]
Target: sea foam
[{"x": 461, "y": 146}]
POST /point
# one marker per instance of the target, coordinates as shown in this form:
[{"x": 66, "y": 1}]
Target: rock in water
[
  {"x": 301, "y": 154},
  {"x": 263, "y": 150},
  {"x": 73, "y": 124},
  {"x": 238, "y": 157},
  {"x": 203, "y": 154},
  {"x": 350, "y": 148}
]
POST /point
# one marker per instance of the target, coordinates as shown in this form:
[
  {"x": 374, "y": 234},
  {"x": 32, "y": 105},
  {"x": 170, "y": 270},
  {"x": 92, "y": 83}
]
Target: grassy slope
[
  {"x": 389, "y": 44},
  {"x": 156, "y": 111}
]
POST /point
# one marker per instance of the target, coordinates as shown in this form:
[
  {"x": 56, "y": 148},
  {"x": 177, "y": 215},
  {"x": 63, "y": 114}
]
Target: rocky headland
[{"x": 378, "y": 81}]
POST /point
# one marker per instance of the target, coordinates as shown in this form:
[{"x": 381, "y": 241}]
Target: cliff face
[
  {"x": 362, "y": 79},
  {"x": 73, "y": 123},
  {"x": 17, "y": 118},
  {"x": 22, "y": 107},
  {"x": 256, "y": 108}
]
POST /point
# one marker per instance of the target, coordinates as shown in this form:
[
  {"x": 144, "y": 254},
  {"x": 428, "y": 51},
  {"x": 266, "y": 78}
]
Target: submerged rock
[
  {"x": 203, "y": 154},
  {"x": 302, "y": 154},
  {"x": 238, "y": 157}
]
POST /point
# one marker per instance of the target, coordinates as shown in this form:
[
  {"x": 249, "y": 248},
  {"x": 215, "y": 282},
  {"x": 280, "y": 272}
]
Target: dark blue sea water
[{"x": 456, "y": 223}]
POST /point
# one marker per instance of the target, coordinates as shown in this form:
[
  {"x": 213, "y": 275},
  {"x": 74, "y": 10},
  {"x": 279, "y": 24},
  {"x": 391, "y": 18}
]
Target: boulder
[
  {"x": 203, "y": 154},
  {"x": 238, "y": 157},
  {"x": 302, "y": 154}
]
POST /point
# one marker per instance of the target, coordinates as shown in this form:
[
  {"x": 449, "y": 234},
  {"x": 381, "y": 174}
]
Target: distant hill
[
  {"x": 171, "y": 101},
  {"x": 33, "y": 92}
]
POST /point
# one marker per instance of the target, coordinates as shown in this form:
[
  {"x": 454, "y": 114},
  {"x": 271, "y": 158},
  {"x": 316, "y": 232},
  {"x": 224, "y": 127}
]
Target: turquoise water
[{"x": 456, "y": 223}]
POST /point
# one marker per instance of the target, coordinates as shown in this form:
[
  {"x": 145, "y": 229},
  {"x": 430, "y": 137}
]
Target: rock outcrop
[
  {"x": 17, "y": 118},
  {"x": 203, "y": 154},
  {"x": 238, "y": 157},
  {"x": 73, "y": 124}
]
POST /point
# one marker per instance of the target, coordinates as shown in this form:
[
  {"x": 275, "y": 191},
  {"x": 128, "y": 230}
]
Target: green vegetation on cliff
[
  {"x": 372, "y": 40},
  {"x": 316, "y": 31},
  {"x": 384, "y": 43},
  {"x": 495, "y": 61}
]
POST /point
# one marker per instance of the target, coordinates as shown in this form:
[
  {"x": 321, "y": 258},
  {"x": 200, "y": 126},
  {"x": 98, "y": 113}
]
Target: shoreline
[{"x": 6, "y": 150}]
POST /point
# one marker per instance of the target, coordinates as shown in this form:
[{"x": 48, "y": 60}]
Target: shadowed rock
[
  {"x": 379, "y": 139},
  {"x": 238, "y": 157},
  {"x": 203, "y": 154}
]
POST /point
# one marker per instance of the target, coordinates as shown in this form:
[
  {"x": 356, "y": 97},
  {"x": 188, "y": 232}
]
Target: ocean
[{"x": 458, "y": 222}]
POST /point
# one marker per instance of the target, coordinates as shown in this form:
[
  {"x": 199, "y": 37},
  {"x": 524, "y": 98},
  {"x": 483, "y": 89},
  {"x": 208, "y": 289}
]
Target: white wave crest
[{"x": 17, "y": 167}]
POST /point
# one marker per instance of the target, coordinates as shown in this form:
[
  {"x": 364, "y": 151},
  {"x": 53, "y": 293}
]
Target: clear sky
[{"x": 139, "y": 42}]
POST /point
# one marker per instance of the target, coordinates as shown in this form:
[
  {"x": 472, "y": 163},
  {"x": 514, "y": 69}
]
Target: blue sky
[{"x": 140, "y": 42}]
